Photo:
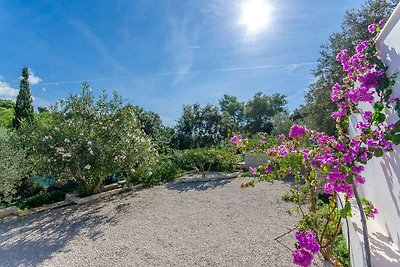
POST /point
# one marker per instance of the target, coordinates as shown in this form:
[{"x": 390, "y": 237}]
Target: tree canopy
[
  {"x": 318, "y": 108},
  {"x": 261, "y": 109}
]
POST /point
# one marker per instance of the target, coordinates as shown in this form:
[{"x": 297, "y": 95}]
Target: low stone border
[
  {"x": 82, "y": 200},
  {"x": 209, "y": 179},
  {"x": 112, "y": 189},
  {"x": 44, "y": 208},
  {"x": 13, "y": 210}
]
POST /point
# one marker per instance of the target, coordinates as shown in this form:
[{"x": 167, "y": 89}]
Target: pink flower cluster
[
  {"x": 297, "y": 131},
  {"x": 236, "y": 139},
  {"x": 373, "y": 212},
  {"x": 308, "y": 245},
  {"x": 358, "y": 68},
  {"x": 372, "y": 27}
]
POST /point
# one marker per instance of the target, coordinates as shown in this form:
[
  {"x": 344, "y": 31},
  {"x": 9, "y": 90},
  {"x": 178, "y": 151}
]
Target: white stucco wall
[{"x": 382, "y": 185}]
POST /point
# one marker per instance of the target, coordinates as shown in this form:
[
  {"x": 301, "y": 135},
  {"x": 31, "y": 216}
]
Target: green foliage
[
  {"x": 234, "y": 109},
  {"x": 207, "y": 159},
  {"x": 297, "y": 196},
  {"x": 44, "y": 117},
  {"x": 250, "y": 144},
  {"x": 87, "y": 140},
  {"x": 318, "y": 108},
  {"x": 28, "y": 188},
  {"x": 41, "y": 199},
  {"x": 23, "y": 106},
  {"x": 164, "y": 140},
  {"x": 340, "y": 250},
  {"x": 227, "y": 160},
  {"x": 149, "y": 121},
  {"x": 13, "y": 165},
  {"x": 261, "y": 109},
  {"x": 6, "y": 113},
  {"x": 165, "y": 171},
  {"x": 201, "y": 127},
  {"x": 202, "y": 158},
  {"x": 281, "y": 123}
]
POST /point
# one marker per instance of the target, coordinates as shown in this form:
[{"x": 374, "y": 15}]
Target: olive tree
[{"x": 13, "y": 165}]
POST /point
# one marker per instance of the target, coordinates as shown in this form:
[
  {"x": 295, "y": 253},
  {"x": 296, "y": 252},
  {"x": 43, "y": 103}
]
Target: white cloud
[
  {"x": 7, "y": 92},
  {"x": 181, "y": 41},
  {"x": 33, "y": 79}
]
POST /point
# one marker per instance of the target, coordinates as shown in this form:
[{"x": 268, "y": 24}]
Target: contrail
[{"x": 176, "y": 73}]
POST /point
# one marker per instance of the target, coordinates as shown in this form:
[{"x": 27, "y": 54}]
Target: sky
[{"x": 162, "y": 55}]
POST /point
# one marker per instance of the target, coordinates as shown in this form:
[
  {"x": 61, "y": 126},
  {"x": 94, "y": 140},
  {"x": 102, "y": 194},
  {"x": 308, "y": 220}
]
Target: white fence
[{"x": 382, "y": 185}]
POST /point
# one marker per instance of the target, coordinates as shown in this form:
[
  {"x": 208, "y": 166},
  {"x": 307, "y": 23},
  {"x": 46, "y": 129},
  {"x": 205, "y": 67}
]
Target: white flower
[
  {"x": 89, "y": 143},
  {"x": 87, "y": 167},
  {"x": 66, "y": 155},
  {"x": 66, "y": 140}
]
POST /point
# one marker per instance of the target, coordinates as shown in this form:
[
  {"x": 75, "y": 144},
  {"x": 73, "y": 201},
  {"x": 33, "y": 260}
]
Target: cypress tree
[{"x": 23, "y": 110}]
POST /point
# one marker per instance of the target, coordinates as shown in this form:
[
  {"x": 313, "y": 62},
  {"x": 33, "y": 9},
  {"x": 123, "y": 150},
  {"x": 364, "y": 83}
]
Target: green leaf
[
  {"x": 378, "y": 152},
  {"x": 397, "y": 107},
  {"x": 380, "y": 117},
  {"x": 378, "y": 106},
  {"x": 346, "y": 211},
  {"x": 396, "y": 139}
]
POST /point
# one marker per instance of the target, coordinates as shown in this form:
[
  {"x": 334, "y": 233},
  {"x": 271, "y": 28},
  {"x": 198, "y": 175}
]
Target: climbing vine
[{"x": 335, "y": 165}]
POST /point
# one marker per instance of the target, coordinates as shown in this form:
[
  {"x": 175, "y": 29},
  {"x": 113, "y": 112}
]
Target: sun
[{"x": 256, "y": 15}]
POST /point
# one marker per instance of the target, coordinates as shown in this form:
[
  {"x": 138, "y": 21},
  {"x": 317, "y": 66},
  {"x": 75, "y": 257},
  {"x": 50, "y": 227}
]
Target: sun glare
[{"x": 256, "y": 15}]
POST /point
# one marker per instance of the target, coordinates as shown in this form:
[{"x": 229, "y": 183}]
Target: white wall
[{"x": 382, "y": 185}]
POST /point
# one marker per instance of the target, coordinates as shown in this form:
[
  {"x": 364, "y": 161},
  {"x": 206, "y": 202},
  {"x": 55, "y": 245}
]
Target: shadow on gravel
[
  {"x": 30, "y": 240},
  {"x": 199, "y": 186}
]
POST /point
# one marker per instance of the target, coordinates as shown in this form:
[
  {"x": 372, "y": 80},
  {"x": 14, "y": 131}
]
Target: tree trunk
[{"x": 96, "y": 189}]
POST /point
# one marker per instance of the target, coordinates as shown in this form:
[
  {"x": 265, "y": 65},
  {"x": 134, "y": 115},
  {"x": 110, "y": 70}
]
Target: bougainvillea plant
[{"x": 335, "y": 165}]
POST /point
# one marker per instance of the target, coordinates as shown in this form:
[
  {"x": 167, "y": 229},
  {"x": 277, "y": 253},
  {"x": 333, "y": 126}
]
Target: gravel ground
[{"x": 180, "y": 224}]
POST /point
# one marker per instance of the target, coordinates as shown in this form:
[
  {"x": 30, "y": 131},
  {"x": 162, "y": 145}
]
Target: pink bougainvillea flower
[
  {"x": 298, "y": 131},
  {"x": 308, "y": 241},
  {"x": 302, "y": 257},
  {"x": 371, "y": 28}
]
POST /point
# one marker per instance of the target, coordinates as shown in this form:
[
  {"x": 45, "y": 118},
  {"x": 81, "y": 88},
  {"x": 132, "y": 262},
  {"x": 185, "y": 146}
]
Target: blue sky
[{"x": 161, "y": 54}]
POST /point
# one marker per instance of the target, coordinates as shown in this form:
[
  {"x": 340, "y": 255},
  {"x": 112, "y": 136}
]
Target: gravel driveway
[{"x": 180, "y": 224}]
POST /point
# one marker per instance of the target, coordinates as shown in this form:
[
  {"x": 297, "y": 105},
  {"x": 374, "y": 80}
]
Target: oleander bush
[{"x": 87, "y": 140}]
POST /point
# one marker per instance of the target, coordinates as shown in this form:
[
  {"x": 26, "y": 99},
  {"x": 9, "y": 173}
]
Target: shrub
[
  {"x": 206, "y": 159},
  {"x": 42, "y": 199},
  {"x": 27, "y": 188},
  {"x": 87, "y": 141},
  {"x": 340, "y": 250},
  {"x": 165, "y": 171},
  {"x": 13, "y": 165},
  {"x": 66, "y": 187}
]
